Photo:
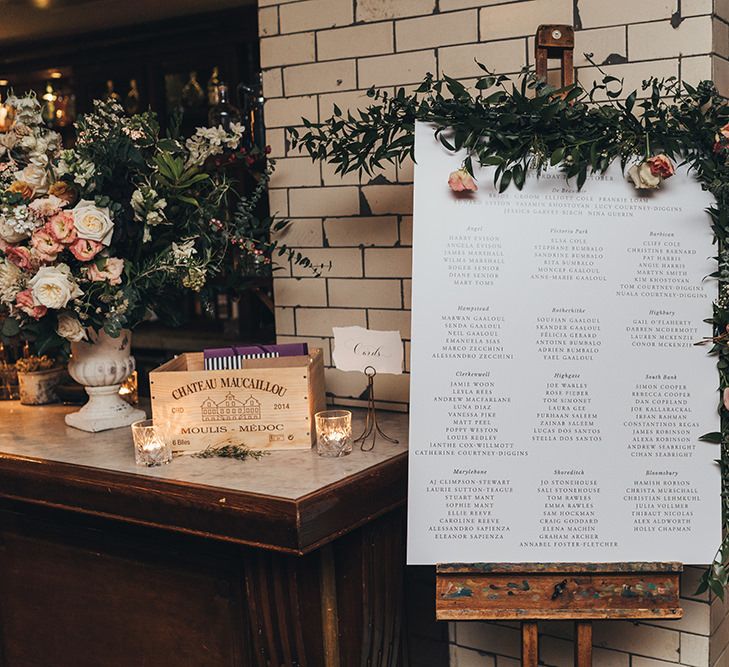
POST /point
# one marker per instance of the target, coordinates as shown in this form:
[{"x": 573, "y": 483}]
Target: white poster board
[{"x": 557, "y": 396}]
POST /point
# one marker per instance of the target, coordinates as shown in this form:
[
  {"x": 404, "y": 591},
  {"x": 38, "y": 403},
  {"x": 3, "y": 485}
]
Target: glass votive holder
[
  {"x": 151, "y": 448},
  {"x": 333, "y": 433}
]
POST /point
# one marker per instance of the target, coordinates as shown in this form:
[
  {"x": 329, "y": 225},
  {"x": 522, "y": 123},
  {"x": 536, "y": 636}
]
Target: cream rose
[
  {"x": 36, "y": 177},
  {"x": 643, "y": 177},
  {"x": 54, "y": 286},
  {"x": 70, "y": 328},
  {"x": 92, "y": 223}
]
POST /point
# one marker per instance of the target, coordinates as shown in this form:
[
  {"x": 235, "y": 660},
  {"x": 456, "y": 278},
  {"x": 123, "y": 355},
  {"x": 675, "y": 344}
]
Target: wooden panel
[
  {"x": 370, "y": 563},
  {"x": 79, "y": 591},
  {"x": 557, "y": 595},
  {"x": 270, "y": 523},
  {"x": 74, "y": 596},
  {"x": 342, "y": 504},
  {"x": 282, "y": 599}
]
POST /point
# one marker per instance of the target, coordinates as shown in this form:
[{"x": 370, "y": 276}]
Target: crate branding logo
[{"x": 230, "y": 409}]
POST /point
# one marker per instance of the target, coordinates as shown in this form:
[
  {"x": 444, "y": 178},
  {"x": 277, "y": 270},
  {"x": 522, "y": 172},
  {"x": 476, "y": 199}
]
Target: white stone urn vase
[{"x": 101, "y": 364}]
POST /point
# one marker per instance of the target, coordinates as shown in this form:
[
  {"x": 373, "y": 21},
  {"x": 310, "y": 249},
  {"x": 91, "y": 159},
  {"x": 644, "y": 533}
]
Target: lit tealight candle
[
  {"x": 150, "y": 447},
  {"x": 333, "y": 433}
]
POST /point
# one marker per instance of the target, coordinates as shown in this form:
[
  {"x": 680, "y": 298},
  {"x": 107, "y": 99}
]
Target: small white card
[{"x": 355, "y": 348}]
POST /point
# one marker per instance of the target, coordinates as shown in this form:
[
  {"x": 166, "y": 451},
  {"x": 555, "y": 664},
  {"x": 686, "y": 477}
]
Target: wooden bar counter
[{"x": 293, "y": 560}]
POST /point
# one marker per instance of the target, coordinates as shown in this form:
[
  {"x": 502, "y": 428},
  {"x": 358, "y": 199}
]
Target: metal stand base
[{"x": 372, "y": 428}]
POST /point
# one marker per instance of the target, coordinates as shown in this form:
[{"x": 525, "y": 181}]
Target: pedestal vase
[{"x": 101, "y": 364}]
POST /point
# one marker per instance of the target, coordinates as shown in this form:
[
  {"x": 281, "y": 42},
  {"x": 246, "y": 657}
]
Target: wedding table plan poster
[{"x": 557, "y": 395}]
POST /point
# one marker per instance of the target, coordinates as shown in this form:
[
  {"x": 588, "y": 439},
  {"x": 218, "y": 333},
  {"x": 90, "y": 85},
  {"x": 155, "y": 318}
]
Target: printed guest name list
[{"x": 557, "y": 393}]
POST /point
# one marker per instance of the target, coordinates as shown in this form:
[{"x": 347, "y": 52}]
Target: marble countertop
[{"x": 39, "y": 433}]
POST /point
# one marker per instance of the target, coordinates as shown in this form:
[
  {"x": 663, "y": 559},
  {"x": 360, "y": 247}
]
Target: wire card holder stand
[{"x": 372, "y": 427}]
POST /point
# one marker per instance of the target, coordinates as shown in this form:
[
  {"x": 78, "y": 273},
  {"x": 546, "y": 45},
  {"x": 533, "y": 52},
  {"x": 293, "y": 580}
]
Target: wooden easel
[
  {"x": 555, "y": 41},
  {"x": 581, "y": 592}
]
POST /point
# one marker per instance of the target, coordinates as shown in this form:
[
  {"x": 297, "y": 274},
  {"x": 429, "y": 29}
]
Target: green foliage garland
[{"x": 521, "y": 127}]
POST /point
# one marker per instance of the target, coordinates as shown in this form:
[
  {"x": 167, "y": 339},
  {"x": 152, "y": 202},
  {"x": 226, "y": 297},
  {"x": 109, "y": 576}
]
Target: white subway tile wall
[{"x": 317, "y": 53}]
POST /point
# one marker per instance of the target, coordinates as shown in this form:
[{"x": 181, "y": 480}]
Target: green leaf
[
  {"x": 519, "y": 176},
  {"x": 715, "y": 438},
  {"x": 717, "y": 588},
  {"x": 581, "y": 176},
  {"x": 505, "y": 181},
  {"x": 10, "y": 327},
  {"x": 630, "y": 101},
  {"x": 188, "y": 200},
  {"x": 446, "y": 143},
  {"x": 557, "y": 156}
]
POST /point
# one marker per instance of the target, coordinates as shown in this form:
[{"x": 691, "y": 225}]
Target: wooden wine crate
[{"x": 269, "y": 404}]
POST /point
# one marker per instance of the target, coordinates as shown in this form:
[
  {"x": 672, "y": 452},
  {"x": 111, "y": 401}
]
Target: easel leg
[
  {"x": 583, "y": 649},
  {"x": 529, "y": 644}
]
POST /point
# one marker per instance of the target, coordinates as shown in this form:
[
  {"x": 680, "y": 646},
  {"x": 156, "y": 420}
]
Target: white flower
[
  {"x": 10, "y": 281},
  {"x": 54, "y": 286},
  {"x": 155, "y": 218},
  {"x": 35, "y": 176},
  {"x": 82, "y": 171},
  {"x": 235, "y": 135},
  {"x": 70, "y": 328},
  {"x": 137, "y": 203},
  {"x": 643, "y": 177},
  {"x": 9, "y": 234},
  {"x": 18, "y": 218},
  {"x": 184, "y": 250},
  {"x": 208, "y": 141},
  {"x": 147, "y": 207},
  {"x": 29, "y": 142},
  {"x": 92, "y": 223},
  {"x": 27, "y": 109}
]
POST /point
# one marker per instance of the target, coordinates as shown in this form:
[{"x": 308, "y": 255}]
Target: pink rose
[
  {"x": 20, "y": 256},
  {"x": 24, "y": 301},
  {"x": 724, "y": 131},
  {"x": 461, "y": 180},
  {"x": 61, "y": 227},
  {"x": 85, "y": 250},
  {"x": 661, "y": 165},
  {"x": 111, "y": 271},
  {"x": 46, "y": 248},
  {"x": 725, "y": 398}
]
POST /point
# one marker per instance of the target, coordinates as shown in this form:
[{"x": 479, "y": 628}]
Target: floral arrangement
[
  {"x": 521, "y": 128},
  {"x": 101, "y": 235}
]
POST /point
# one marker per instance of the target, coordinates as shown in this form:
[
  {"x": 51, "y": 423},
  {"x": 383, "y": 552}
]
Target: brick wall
[{"x": 315, "y": 53}]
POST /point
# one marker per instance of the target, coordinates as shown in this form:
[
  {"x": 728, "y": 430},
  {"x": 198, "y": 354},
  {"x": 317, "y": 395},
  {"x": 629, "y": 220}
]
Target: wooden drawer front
[{"x": 518, "y": 596}]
